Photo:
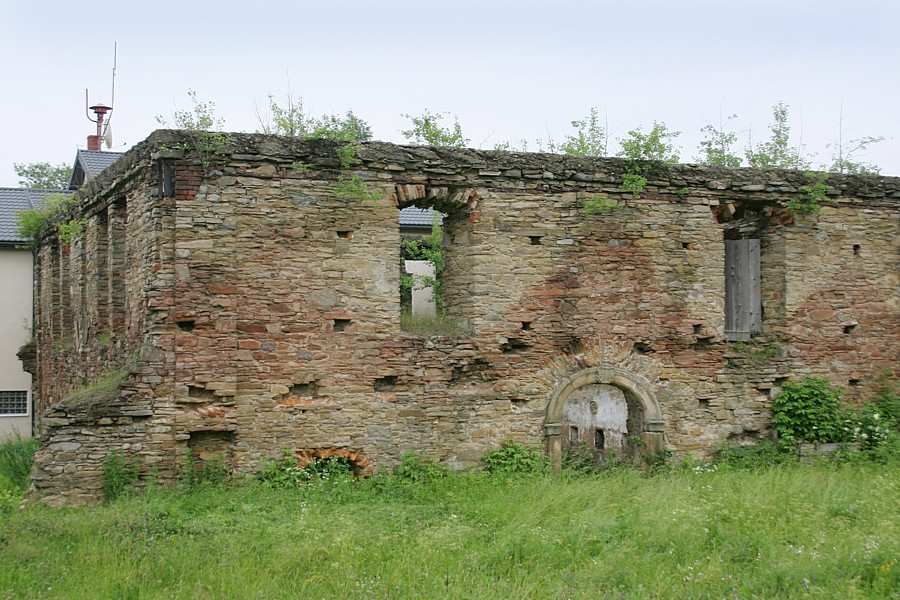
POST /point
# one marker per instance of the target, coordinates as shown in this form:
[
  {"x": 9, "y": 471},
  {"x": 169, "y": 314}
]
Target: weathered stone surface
[{"x": 256, "y": 312}]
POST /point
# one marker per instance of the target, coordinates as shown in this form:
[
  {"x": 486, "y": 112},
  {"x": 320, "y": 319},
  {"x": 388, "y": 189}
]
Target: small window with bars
[{"x": 13, "y": 403}]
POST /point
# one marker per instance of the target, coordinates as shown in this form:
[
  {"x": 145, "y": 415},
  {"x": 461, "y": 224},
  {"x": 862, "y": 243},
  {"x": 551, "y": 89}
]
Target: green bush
[
  {"x": 810, "y": 411},
  {"x": 282, "y": 473},
  {"x": 119, "y": 475},
  {"x": 413, "y": 467},
  {"x": 888, "y": 400},
  {"x": 872, "y": 427},
  {"x": 287, "y": 472},
  {"x": 16, "y": 455},
  {"x": 210, "y": 472},
  {"x": 514, "y": 459}
]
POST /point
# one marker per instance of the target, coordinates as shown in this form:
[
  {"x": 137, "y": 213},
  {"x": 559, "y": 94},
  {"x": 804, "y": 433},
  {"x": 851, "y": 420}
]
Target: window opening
[{"x": 422, "y": 264}]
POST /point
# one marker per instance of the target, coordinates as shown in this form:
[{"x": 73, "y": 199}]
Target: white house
[{"x": 16, "y": 304}]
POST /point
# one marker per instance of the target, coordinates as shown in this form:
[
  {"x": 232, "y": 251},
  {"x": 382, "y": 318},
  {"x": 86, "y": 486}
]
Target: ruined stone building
[{"x": 243, "y": 303}]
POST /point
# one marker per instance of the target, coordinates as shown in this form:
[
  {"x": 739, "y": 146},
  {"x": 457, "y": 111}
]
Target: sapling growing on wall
[
  {"x": 427, "y": 129},
  {"x": 591, "y": 138},
  {"x": 715, "y": 147},
  {"x": 777, "y": 153},
  {"x": 203, "y": 128},
  {"x": 53, "y": 213},
  {"x": 646, "y": 151}
]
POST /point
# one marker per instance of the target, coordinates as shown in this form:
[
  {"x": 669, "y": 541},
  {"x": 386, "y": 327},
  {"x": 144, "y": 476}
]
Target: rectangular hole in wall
[
  {"x": 201, "y": 393},
  {"x": 703, "y": 403},
  {"x": 341, "y": 324},
  {"x": 853, "y": 382},
  {"x": 687, "y": 246},
  {"x": 304, "y": 389},
  {"x": 526, "y": 325},
  {"x": 385, "y": 383},
  {"x": 345, "y": 235},
  {"x": 573, "y": 435},
  {"x": 599, "y": 439},
  {"x": 535, "y": 240},
  {"x": 856, "y": 249},
  {"x": 514, "y": 345},
  {"x": 187, "y": 325},
  {"x": 210, "y": 445},
  {"x": 848, "y": 329}
]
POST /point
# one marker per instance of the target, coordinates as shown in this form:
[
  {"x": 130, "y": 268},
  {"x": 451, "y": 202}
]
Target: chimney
[{"x": 95, "y": 141}]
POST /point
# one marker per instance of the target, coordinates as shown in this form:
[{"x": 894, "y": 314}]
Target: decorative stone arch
[{"x": 638, "y": 392}]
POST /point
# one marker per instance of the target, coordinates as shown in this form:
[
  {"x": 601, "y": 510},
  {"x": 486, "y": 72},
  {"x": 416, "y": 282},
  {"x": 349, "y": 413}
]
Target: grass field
[{"x": 785, "y": 531}]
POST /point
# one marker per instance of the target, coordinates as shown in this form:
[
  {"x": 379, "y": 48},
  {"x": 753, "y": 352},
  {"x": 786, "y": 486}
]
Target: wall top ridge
[{"x": 400, "y": 164}]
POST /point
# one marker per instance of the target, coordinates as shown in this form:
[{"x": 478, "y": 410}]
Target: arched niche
[{"x": 644, "y": 415}]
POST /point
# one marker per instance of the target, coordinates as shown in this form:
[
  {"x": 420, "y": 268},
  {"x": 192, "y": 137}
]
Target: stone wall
[{"x": 250, "y": 310}]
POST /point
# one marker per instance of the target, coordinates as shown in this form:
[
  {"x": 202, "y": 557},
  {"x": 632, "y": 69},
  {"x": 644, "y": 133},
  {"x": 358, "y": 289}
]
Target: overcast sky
[{"x": 509, "y": 69}]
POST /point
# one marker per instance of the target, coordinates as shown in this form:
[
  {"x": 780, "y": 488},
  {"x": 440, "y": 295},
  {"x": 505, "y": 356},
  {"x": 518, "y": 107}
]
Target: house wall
[
  {"x": 254, "y": 311},
  {"x": 15, "y": 330}
]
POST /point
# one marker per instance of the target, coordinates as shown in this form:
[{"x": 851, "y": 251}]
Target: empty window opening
[
  {"x": 345, "y": 235},
  {"x": 848, "y": 329},
  {"x": 856, "y": 249},
  {"x": 535, "y": 240},
  {"x": 698, "y": 329},
  {"x": 187, "y": 325},
  {"x": 341, "y": 324},
  {"x": 421, "y": 266},
  {"x": 514, "y": 345},
  {"x": 385, "y": 383},
  {"x": 308, "y": 390},
  {"x": 599, "y": 439},
  {"x": 703, "y": 403},
  {"x": 642, "y": 348},
  {"x": 473, "y": 370},
  {"x": 201, "y": 393},
  {"x": 209, "y": 446}
]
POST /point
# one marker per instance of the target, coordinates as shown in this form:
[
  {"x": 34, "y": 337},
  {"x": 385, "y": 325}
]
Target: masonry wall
[{"x": 249, "y": 310}]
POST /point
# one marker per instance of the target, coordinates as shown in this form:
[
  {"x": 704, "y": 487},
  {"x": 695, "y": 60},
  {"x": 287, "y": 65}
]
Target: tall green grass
[
  {"x": 786, "y": 531},
  {"x": 15, "y": 461}
]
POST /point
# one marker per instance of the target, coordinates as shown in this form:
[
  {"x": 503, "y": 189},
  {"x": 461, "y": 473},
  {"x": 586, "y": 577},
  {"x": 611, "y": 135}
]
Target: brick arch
[
  {"x": 361, "y": 465},
  {"x": 637, "y": 390},
  {"x": 444, "y": 198}
]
